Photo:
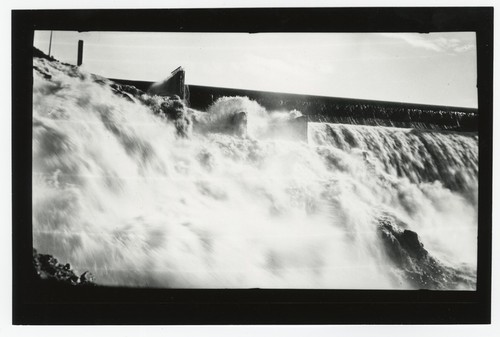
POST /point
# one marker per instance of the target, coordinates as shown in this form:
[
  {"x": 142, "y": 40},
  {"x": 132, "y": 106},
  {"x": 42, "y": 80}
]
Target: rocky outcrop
[
  {"x": 406, "y": 251},
  {"x": 128, "y": 92},
  {"x": 47, "y": 268},
  {"x": 38, "y": 53},
  {"x": 171, "y": 108}
]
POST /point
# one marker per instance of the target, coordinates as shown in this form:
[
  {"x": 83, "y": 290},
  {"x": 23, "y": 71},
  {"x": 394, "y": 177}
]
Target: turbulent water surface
[{"x": 142, "y": 191}]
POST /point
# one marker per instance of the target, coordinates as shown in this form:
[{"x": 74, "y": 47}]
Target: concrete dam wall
[
  {"x": 322, "y": 108},
  {"x": 348, "y": 110}
]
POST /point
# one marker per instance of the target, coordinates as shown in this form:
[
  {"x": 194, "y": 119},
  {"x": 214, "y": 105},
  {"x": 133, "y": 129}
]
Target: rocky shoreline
[{"x": 48, "y": 269}]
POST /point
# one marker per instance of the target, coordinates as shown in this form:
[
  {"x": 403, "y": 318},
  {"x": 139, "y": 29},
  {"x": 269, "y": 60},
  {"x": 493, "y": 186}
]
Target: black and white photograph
[
  {"x": 252, "y": 166},
  {"x": 233, "y": 160}
]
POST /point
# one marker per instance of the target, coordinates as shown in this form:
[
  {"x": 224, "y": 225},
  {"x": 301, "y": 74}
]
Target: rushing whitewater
[{"x": 142, "y": 191}]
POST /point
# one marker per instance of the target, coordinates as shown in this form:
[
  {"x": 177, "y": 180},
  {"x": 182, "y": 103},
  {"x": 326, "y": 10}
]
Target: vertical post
[
  {"x": 181, "y": 85},
  {"x": 80, "y": 53},
  {"x": 50, "y": 42}
]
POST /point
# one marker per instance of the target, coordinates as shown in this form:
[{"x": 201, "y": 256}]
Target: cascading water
[{"x": 142, "y": 198}]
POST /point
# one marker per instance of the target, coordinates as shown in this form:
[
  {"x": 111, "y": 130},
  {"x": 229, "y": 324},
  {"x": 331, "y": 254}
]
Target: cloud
[{"x": 434, "y": 42}]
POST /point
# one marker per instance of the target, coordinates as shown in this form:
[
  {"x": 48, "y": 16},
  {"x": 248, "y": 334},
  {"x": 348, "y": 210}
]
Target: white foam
[{"x": 118, "y": 193}]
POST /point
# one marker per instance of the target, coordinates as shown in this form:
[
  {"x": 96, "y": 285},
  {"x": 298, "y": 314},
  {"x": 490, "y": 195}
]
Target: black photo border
[{"x": 45, "y": 304}]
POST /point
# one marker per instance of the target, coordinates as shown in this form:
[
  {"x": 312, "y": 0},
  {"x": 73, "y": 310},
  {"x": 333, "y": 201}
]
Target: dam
[{"x": 322, "y": 109}]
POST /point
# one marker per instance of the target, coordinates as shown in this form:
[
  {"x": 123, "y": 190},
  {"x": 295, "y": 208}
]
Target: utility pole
[
  {"x": 50, "y": 42},
  {"x": 80, "y": 53}
]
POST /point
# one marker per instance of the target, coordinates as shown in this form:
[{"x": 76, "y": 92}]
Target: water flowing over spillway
[{"x": 143, "y": 196}]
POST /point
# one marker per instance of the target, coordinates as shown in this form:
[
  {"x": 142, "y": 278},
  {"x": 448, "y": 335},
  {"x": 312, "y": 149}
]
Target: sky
[{"x": 435, "y": 68}]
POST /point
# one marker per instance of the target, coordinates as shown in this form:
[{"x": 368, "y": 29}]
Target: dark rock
[
  {"x": 420, "y": 269},
  {"x": 48, "y": 269},
  {"x": 128, "y": 92},
  {"x": 172, "y": 109},
  {"x": 238, "y": 124},
  {"x": 410, "y": 241},
  {"x": 99, "y": 80},
  {"x": 86, "y": 278},
  {"x": 38, "y": 53},
  {"x": 43, "y": 73}
]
